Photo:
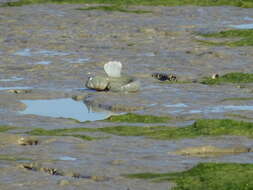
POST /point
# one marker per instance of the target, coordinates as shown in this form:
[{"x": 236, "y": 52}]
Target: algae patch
[
  {"x": 136, "y": 118},
  {"x": 63, "y": 132},
  {"x": 238, "y": 3},
  {"x": 235, "y": 77},
  {"x": 238, "y": 116},
  {"x": 114, "y": 9},
  {"x": 4, "y": 128},
  {"x": 238, "y": 99},
  {"x": 5, "y": 157},
  {"x": 208, "y": 176},
  {"x": 245, "y": 37},
  {"x": 202, "y": 127}
]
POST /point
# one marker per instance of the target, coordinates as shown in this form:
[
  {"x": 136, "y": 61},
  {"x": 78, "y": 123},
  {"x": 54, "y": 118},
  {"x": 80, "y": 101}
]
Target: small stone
[
  {"x": 19, "y": 91},
  {"x": 78, "y": 97},
  {"x": 164, "y": 76},
  {"x": 27, "y": 141},
  {"x": 63, "y": 182},
  {"x": 99, "y": 178},
  {"x": 215, "y": 76},
  {"x": 117, "y": 162}
]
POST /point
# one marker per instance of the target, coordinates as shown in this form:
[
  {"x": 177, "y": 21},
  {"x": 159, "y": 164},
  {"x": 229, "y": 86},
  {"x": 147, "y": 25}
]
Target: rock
[
  {"x": 114, "y": 81},
  {"x": 113, "y": 69},
  {"x": 123, "y": 84},
  {"x": 164, "y": 76},
  {"x": 15, "y": 91},
  {"x": 97, "y": 83},
  {"x": 28, "y": 141},
  {"x": 99, "y": 178},
  {"x": 78, "y": 97}
]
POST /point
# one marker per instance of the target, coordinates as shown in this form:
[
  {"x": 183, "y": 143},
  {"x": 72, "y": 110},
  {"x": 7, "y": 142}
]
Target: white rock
[{"x": 113, "y": 68}]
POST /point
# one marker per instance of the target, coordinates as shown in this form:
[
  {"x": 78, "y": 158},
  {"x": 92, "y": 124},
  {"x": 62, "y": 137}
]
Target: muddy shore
[{"x": 47, "y": 52}]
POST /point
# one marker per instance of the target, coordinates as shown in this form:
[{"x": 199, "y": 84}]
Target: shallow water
[
  {"x": 29, "y": 52},
  {"x": 15, "y": 88},
  {"x": 243, "y": 26},
  {"x": 179, "y": 105},
  {"x": 62, "y": 108},
  {"x": 80, "y": 60},
  {"x": 186, "y": 109},
  {"x": 12, "y": 79},
  {"x": 147, "y": 54},
  {"x": 42, "y": 63},
  {"x": 67, "y": 158},
  {"x": 220, "y": 109},
  {"x": 248, "y": 18}
]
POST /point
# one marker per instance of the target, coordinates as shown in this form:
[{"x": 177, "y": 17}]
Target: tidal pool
[{"x": 63, "y": 108}]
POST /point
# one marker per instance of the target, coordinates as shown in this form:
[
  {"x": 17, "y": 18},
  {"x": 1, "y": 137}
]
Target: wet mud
[{"x": 48, "y": 51}]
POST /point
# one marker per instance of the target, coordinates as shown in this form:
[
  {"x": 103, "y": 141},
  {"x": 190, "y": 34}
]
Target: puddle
[
  {"x": 15, "y": 88},
  {"x": 220, "y": 109},
  {"x": 42, "y": 63},
  {"x": 63, "y": 108},
  {"x": 242, "y": 26},
  {"x": 180, "y": 105},
  {"x": 29, "y": 52},
  {"x": 81, "y": 60},
  {"x": 67, "y": 158},
  {"x": 248, "y": 18},
  {"x": 12, "y": 79},
  {"x": 84, "y": 90},
  {"x": 148, "y": 54}
]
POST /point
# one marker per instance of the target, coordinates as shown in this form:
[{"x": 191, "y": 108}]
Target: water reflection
[{"x": 64, "y": 108}]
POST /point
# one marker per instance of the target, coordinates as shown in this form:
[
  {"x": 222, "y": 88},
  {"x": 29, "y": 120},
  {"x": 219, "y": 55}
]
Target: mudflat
[{"x": 48, "y": 51}]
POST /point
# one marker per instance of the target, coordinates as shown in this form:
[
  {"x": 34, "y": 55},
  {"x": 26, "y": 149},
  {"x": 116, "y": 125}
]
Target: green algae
[
  {"x": 208, "y": 176},
  {"x": 4, "y": 128},
  {"x": 202, "y": 127},
  {"x": 238, "y": 99},
  {"x": 5, "y": 157},
  {"x": 113, "y": 9},
  {"x": 238, "y": 3},
  {"x": 238, "y": 116},
  {"x": 235, "y": 77},
  {"x": 62, "y": 132},
  {"x": 136, "y": 118},
  {"x": 244, "y": 36}
]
